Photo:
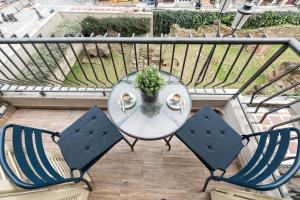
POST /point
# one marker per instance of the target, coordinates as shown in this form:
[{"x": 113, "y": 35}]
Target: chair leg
[{"x": 90, "y": 188}]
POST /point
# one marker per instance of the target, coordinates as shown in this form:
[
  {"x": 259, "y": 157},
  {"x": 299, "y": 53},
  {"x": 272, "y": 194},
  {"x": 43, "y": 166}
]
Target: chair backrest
[
  {"x": 31, "y": 159},
  {"x": 270, "y": 153}
]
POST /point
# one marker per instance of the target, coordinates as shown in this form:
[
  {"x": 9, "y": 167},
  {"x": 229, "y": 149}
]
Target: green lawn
[{"x": 257, "y": 61}]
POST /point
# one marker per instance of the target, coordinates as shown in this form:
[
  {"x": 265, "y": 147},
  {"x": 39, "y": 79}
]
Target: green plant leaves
[
  {"x": 162, "y": 20},
  {"x": 149, "y": 80},
  {"x": 124, "y": 25}
]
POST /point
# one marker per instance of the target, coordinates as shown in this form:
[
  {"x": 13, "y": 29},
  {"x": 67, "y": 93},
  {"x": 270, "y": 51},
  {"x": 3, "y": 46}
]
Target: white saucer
[
  {"x": 175, "y": 106},
  {"x": 130, "y": 104}
]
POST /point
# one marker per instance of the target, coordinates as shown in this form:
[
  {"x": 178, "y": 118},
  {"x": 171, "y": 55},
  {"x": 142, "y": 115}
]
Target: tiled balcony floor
[{"x": 151, "y": 172}]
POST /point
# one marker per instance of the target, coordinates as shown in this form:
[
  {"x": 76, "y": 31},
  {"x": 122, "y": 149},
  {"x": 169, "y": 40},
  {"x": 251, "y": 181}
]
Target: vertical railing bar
[
  {"x": 230, "y": 70},
  {"x": 276, "y": 109},
  {"x": 102, "y": 65},
  {"x": 124, "y": 61},
  {"x": 281, "y": 50},
  {"x": 79, "y": 63},
  {"x": 160, "y": 53},
  {"x": 14, "y": 64},
  {"x": 5, "y": 75},
  {"x": 184, "y": 60},
  {"x": 91, "y": 64},
  {"x": 38, "y": 67},
  {"x": 80, "y": 66},
  {"x": 46, "y": 64},
  {"x": 205, "y": 65},
  {"x": 148, "y": 56},
  {"x": 232, "y": 66},
  {"x": 24, "y": 63},
  {"x": 112, "y": 60},
  {"x": 135, "y": 54},
  {"x": 244, "y": 67},
  {"x": 274, "y": 95},
  {"x": 57, "y": 64},
  {"x": 196, "y": 63},
  {"x": 9, "y": 70},
  {"x": 123, "y": 56},
  {"x": 271, "y": 82},
  {"x": 172, "y": 58},
  {"x": 220, "y": 65},
  {"x": 68, "y": 64}
]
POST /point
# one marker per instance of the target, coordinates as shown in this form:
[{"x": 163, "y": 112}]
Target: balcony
[{"x": 50, "y": 82}]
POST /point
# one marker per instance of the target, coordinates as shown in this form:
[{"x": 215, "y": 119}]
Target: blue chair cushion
[
  {"x": 211, "y": 139},
  {"x": 88, "y": 139}
]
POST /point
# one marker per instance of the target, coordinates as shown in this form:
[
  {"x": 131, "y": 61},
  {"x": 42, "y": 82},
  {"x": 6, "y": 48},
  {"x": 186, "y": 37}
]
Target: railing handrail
[
  {"x": 295, "y": 45},
  {"x": 152, "y": 40}
]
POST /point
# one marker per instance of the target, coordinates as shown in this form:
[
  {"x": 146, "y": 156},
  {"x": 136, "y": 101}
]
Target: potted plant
[{"x": 149, "y": 81}]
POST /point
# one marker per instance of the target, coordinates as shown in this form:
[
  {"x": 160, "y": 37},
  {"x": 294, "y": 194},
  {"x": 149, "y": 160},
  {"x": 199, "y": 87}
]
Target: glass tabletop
[{"x": 149, "y": 121}]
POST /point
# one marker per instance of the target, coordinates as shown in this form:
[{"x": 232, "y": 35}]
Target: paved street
[{"x": 28, "y": 19}]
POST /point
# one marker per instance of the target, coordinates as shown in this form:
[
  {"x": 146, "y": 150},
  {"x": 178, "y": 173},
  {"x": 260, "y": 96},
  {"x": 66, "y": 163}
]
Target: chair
[
  {"x": 81, "y": 144},
  {"x": 216, "y": 144}
]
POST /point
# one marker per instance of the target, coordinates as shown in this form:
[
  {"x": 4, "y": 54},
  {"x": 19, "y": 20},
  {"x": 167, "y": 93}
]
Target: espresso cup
[
  {"x": 126, "y": 97},
  {"x": 176, "y": 98}
]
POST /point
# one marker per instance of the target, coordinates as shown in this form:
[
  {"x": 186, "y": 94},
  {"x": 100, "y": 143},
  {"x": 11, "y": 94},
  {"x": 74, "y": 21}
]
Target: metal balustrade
[{"x": 218, "y": 66}]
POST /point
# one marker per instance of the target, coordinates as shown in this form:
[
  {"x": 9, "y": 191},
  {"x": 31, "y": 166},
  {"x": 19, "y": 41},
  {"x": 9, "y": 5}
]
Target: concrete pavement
[{"x": 28, "y": 19}]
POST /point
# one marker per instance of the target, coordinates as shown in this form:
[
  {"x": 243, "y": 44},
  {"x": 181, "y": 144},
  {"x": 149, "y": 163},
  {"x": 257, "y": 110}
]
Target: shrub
[
  {"x": 162, "y": 20},
  {"x": 124, "y": 25}
]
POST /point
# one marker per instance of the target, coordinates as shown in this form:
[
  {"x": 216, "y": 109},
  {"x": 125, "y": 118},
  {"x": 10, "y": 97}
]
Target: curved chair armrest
[
  {"x": 42, "y": 130},
  {"x": 247, "y": 137}
]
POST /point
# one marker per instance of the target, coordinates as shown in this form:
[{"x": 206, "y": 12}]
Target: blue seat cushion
[
  {"x": 211, "y": 139},
  {"x": 88, "y": 139}
]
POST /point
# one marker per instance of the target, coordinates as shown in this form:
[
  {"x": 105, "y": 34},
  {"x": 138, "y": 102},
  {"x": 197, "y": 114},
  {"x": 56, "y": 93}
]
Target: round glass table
[{"x": 149, "y": 121}]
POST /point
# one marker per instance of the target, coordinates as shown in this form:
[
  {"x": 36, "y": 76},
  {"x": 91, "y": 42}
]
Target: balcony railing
[{"x": 208, "y": 66}]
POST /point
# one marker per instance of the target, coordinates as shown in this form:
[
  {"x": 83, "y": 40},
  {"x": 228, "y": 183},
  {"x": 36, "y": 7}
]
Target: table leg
[
  {"x": 170, "y": 138},
  {"x": 131, "y": 145},
  {"x": 168, "y": 144}
]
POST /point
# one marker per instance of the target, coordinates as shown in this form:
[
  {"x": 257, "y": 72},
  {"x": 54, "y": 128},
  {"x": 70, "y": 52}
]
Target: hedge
[
  {"x": 124, "y": 25},
  {"x": 162, "y": 20}
]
